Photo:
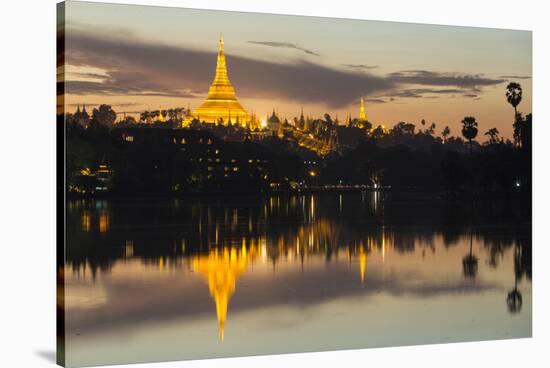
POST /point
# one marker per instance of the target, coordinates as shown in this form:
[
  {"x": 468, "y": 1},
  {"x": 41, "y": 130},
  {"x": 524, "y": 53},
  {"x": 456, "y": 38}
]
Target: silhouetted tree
[
  {"x": 526, "y": 132},
  {"x": 469, "y": 129},
  {"x": 402, "y": 129},
  {"x": 378, "y": 132},
  {"x": 445, "y": 133},
  {"x": 513, "y": 95},
  {"x": 104, "y": 115},
  {"x": 328, "y": 118},
  {"x": 129, "y": 120},
  {"x": 522, "y": 130},
  {"x": 431, "y": 130},
  {"x": 493, "y": 135}
]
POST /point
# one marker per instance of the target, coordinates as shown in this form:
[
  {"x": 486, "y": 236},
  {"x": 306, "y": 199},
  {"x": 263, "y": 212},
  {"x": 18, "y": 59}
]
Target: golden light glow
[
  {"x": 103, "y": 222},
  {"x": 86, "y": 221},
  {"x": 129, "y": 249},
  {"x": 362, "y": 264},
  {"x": 362, "y": 114},
  {"x": 221, "y": 268},
  {"x": 221, "y": 102}
]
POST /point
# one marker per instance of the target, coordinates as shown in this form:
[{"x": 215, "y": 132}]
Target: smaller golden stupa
[{"x": 362, "y": 114}]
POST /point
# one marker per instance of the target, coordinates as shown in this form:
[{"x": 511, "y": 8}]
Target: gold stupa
[
  {"x": 221, "y": 102},
  {"x": 362, "y": 114}
]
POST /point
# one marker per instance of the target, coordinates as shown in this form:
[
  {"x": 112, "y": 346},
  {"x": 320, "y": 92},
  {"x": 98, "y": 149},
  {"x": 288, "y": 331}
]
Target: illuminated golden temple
[{"x": 221, "y": 104}]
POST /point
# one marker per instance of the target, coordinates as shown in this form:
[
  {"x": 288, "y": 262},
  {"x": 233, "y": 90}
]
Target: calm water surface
[{"x": 195, "y": 278}]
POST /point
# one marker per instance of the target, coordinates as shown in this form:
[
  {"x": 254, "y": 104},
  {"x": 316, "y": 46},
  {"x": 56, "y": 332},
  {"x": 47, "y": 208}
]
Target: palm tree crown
[
  {"x": 514, "y": 94},
  {"x": 469, "y": 128}
]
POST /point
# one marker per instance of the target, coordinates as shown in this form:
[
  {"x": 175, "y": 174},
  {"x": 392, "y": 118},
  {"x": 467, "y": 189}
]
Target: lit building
[{"x": 221, "y": 104}]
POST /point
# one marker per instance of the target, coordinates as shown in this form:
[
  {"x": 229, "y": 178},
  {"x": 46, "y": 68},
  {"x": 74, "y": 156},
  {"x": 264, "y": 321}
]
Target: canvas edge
[{"x": 60, "y": 184}]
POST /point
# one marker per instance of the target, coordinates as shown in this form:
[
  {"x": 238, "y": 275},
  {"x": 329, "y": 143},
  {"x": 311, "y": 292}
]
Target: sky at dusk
[{"x": 137, "y": 58}]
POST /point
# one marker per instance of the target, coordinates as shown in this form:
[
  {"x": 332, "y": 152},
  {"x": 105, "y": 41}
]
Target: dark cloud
[
  {"x": 515, "y": 76},
  {"x": 422, "y": 92},
  {"x": 287, "y": 45},
  {"x": 139, "y": 67},
  {"x": 135, "y": 67},
  {"x": 374, "y": 100},
  {"x": 113, "y": 89},
  {"x": 119, "y": 104},
  {"x": 424, "y": 77},
  {"x": 361, "y": 66}
]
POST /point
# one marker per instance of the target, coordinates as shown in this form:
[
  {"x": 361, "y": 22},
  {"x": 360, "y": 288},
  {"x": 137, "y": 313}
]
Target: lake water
[{"x": 157, "y": 280}]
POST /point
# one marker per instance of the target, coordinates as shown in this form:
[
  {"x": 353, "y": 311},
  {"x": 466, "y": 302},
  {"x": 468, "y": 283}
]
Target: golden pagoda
[
  {"x": 221, "y": 102},
  {"x": 362, "y": 114}
]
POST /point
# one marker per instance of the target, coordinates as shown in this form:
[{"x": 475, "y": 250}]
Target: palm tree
[
  {"x": 469, "y": 129},
  {"x": 513, "y": 96}
]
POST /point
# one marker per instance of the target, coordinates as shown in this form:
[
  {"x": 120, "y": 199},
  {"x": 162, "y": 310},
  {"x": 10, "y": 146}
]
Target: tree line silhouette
[{"x": 402, "y": 157}]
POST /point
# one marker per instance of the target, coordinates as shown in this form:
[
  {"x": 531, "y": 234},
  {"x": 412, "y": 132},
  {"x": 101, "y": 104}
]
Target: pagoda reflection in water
[
  {"x": 221, "y": 268},
  {"x": 233, "y": 237}
]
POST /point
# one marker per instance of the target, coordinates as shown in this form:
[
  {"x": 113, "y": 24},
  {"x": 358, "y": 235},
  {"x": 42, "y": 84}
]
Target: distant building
[
  {"x": 273, "y": 123},
  {"x": 81, "y": 117},
  {"x": 205, "y": 153}
]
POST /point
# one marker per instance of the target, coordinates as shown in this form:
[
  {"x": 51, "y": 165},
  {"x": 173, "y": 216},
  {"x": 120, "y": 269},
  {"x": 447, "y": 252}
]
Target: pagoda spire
[
  {"x": 362, "y": 114},
  {"x": 221, "y": 77},
  {"x": 221, "y": 95}
]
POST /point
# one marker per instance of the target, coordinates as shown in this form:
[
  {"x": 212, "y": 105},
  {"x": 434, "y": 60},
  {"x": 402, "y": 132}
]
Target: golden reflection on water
[
  {"x": 103, "y": 222},
  {"x": 221, "y": 269},
  {"x": 235, "y": 242},
  {"x": 86, "y": 221},
  {"x": 362, "y": 264},
  {"x": 223, "y": 265},
  {"x": 129, "y": 249}
]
